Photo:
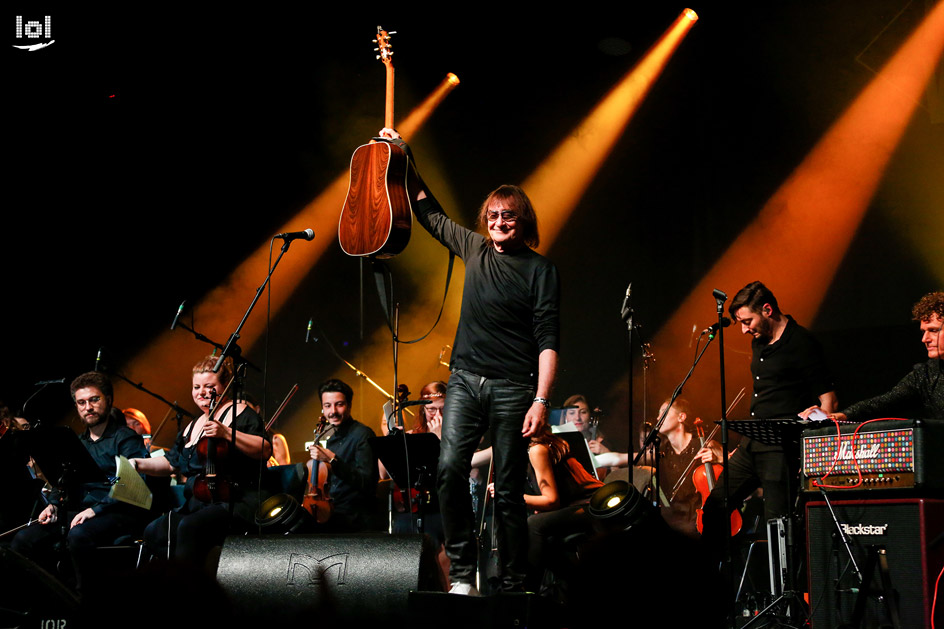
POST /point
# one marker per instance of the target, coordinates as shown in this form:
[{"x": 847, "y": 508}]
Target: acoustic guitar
[{"x": 376, "y": 218}]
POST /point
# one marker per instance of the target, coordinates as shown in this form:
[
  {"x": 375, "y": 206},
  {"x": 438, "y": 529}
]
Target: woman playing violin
[{"x": 216, "y": 473}]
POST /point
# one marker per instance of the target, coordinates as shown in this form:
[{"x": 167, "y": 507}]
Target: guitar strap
[
  {"x": 384, "y": 282},
  {"x": 383, "y": 278}
]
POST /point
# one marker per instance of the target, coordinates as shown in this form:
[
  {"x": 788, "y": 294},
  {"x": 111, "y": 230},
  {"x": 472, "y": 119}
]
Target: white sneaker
[{"x": 466, "y": 589}]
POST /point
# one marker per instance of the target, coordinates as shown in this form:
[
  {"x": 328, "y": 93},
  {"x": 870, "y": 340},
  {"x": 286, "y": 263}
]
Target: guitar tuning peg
[
  {"x": 391, "y": 32},
  {"x": 377, "y": 57}
]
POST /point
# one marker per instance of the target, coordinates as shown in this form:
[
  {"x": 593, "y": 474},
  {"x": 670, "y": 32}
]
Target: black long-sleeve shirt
[
  {"x": 919, "y": 395},
  {"x": 353, "y": 479},
  {"x": 117, "y": 439},
  {"x": 510, "y": 302}
]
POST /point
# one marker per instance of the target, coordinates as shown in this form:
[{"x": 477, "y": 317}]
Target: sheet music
[{"x": 129, "y": 487}]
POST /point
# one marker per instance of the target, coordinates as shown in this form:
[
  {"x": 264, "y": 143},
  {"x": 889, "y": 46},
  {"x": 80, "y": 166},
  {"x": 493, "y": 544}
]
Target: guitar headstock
[{"x": 384, "y": 49}]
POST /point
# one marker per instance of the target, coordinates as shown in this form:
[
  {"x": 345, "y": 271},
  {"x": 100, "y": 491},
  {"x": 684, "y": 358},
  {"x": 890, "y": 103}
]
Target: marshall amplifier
[
  {"x": 909, "y": 530},
  {"x": 889, "y": 454}
]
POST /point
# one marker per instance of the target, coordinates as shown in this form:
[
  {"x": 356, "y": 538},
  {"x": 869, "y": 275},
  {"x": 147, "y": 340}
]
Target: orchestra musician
[
  {"x": 561, "y": 489},
  {"x": 280, "y": 451},
  {"x": 920, "y": 394},
  {"x": 204, "y": 520},
  {"x": 577, "y": 412},
  {"x": 504, "y": 361},
  {"x": 92, "y": 517},
  {"x": 428, "y": 420},
  {"x": 678, "y": 449},
  {"x": 138, "y": 422},
  {"x": 351, "y": 463},
  {"x": 789, "y": 373}
]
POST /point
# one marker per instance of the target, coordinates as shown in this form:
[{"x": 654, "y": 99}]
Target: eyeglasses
[
  {"x": 95, "y": 399},
  {"x": 509, "y": 216}
]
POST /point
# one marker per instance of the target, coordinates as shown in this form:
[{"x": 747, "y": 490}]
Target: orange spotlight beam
[
  {"x": 218, "y": 313},
  {"x": 800, "y": 236},
  {"x": 559, "y": 182}
]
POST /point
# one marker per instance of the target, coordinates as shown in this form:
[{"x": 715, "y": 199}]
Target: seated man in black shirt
[
  {"x": 920, "y": 394},
  {"x": 352, "y": 464},
  {"x": 93, "y": 518}
]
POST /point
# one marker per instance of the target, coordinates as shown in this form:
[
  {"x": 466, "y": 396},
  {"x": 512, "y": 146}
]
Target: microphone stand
[
  {"x": 180, "y": 412},
  {"x": 233, "y": 350},
  {"x": 626, "y": 314},
  {"x": 653, "y": 434},
  {"x": 720, "y": 298},
  {"x": 360, "y": 374}
]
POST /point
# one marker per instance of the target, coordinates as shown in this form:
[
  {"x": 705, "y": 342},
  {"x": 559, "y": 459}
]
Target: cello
[
  {"x": 376, "y": 218},
  {"x": 317, "y": 499},
  {"x": 704, "y": 478}
]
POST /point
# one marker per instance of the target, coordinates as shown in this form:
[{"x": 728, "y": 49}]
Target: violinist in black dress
[{"x": 205, "y": 519}]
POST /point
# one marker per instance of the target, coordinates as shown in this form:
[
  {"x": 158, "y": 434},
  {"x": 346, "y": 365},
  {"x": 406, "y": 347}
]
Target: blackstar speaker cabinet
[{"x": 908, "y": 529}]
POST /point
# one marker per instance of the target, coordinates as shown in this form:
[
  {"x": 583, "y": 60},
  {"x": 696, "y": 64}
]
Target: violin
[
  {"x": 704, "y": 478},
  {"x": 212, "y": 486},
  {"x": 317, "y": 499}
]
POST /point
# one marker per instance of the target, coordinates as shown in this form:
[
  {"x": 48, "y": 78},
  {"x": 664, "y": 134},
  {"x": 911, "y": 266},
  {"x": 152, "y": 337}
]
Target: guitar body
[{"x": 376, "y": 218}]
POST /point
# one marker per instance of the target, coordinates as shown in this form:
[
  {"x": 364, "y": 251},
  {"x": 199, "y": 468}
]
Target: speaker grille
[{"x": 904, "y": 527}]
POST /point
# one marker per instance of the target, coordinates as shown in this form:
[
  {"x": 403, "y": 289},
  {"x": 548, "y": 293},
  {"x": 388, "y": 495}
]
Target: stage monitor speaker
[
  {"x": 909, "y": 529},
  {"x": 31, "y": 597},
  {"x": 350, "y": 577}
]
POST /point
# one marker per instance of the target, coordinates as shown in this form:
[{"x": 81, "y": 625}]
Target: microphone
[
  {"x": 45, "y": 382},
  {"x": 629, "y": 292},
  {"x": 308, "y": 332},
  {"x": 180, "y": 311},
  {"x": 719, "y": 294},
  {"x": 98, "y": 358},
  {"x": 308, "y": 234},
  {"x": 712, "y": 329}
]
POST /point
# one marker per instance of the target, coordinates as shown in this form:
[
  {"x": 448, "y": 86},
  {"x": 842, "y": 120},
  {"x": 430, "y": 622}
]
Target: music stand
[
  {"x": 579, "y": 449},
  {"x": 771, "y": 432},
  {"x": 21, "y": 490},
  {"x": 62, "y": 457},
  {"x": 422, "y": 452}
]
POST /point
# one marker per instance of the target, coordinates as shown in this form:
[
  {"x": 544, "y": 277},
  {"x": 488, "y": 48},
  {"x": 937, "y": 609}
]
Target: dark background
[{"x": 153, "y": 148}]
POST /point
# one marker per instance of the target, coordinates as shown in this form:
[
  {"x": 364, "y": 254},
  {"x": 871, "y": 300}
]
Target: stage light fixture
[
  {"x": 617, "y": 506},
  {"x": 282, "y": 514}
]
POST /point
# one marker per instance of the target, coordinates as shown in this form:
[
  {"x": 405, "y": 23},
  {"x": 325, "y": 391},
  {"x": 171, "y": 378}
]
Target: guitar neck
[{"x": 388, "y": 100}]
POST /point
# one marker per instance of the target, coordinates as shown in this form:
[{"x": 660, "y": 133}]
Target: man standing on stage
[
  {"x": 789, "y": 373},
  {"x": 353, "y": 466},
  {"x": 920, "y": 394},
  {"x": 504, "y": 360}
]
